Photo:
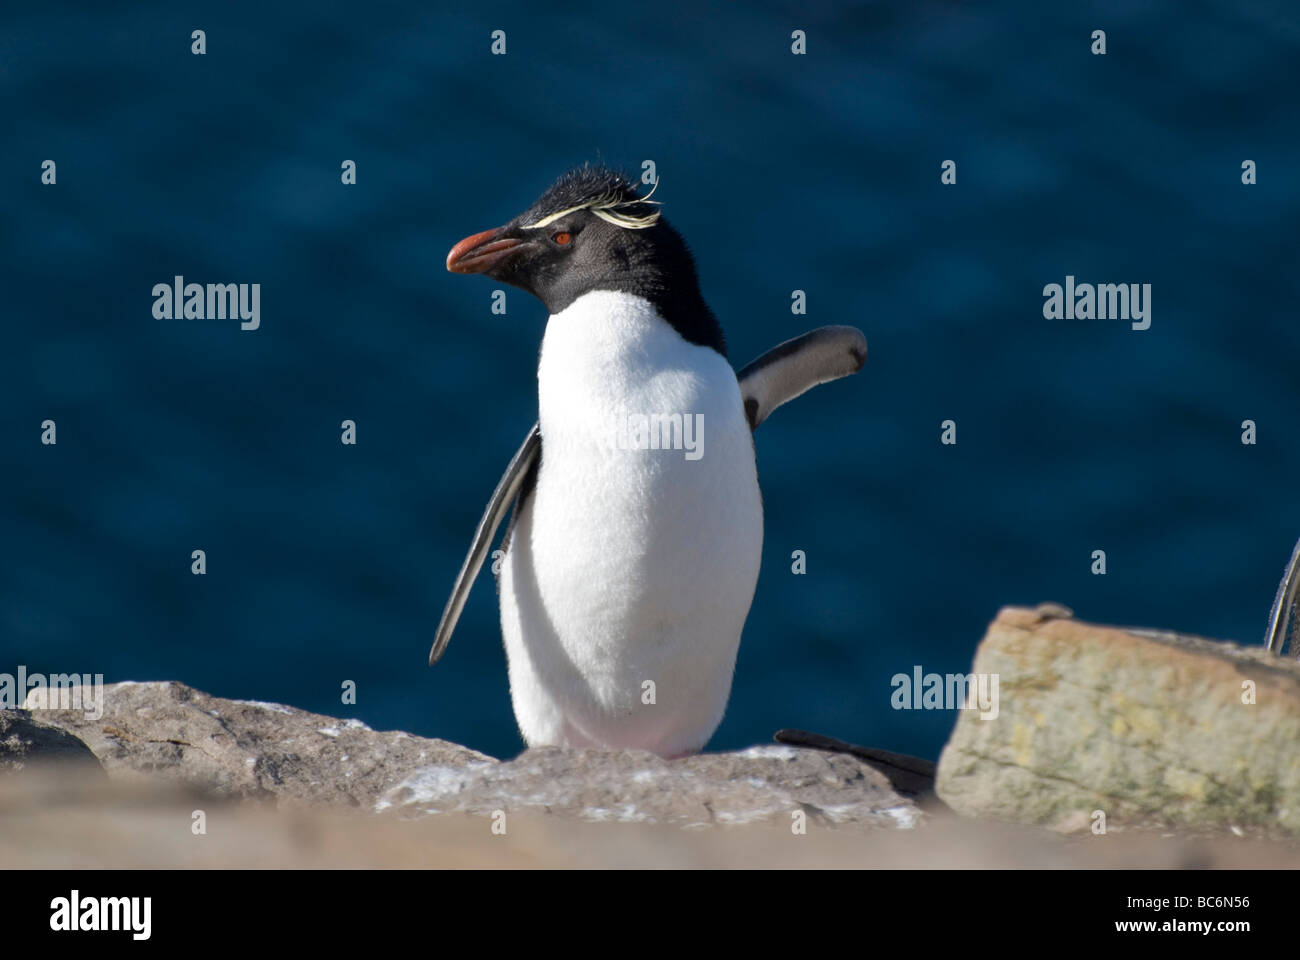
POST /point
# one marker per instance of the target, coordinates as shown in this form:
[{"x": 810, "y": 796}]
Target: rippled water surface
[{"x": 821, "y": 172}]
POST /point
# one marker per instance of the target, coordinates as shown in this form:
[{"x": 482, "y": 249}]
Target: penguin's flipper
[
  {"x": 798, "y": 365},
  {"x": 502, "y": 497},
  {"x": 1282, "y": 616}
]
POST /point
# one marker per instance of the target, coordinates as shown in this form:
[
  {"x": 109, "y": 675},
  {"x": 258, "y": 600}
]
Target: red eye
[{"x": 563, "y": 238}]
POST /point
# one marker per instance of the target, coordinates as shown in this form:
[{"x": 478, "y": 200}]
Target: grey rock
[
  {"x": 246, "y": 748},
  {"x": 25, "y": 740},
  {"x": 265, "y": 750},
  {"x": 761, "y": 784},
  {"x": 1150, "y": 727}
]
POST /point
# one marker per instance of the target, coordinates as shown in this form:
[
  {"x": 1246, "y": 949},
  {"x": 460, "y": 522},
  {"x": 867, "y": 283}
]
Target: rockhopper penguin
[{"x": 633, "y": 551}]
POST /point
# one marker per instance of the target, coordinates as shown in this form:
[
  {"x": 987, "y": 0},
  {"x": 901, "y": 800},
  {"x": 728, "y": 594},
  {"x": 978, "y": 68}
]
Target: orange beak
[{"x": 481, "y": 252}]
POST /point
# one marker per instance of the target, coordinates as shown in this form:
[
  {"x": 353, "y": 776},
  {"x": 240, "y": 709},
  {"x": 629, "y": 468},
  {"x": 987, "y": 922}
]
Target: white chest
[{"x": 637, "y": 555}]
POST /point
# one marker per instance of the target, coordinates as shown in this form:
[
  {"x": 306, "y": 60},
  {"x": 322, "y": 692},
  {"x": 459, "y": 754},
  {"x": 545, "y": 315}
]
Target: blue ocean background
[{"x": 328, "y": 563}]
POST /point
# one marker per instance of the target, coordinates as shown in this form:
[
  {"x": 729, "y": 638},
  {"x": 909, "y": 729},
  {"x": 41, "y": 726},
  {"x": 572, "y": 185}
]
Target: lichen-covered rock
[{"x": 1147, "y": 727}]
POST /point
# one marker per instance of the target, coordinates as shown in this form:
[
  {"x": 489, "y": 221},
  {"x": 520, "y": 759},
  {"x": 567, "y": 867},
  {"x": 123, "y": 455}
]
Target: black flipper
[
  {"x": 502, "y": 498},
  {"x": 1281, "y": 618},
  {"x": 798, "y": 365}
]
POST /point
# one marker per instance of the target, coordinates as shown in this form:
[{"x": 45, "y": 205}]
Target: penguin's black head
[{"x": 592, "y": 231}]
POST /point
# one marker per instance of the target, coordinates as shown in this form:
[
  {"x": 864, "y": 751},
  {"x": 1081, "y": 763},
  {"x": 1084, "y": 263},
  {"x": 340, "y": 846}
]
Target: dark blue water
[{"x": 329, "y": 563}]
